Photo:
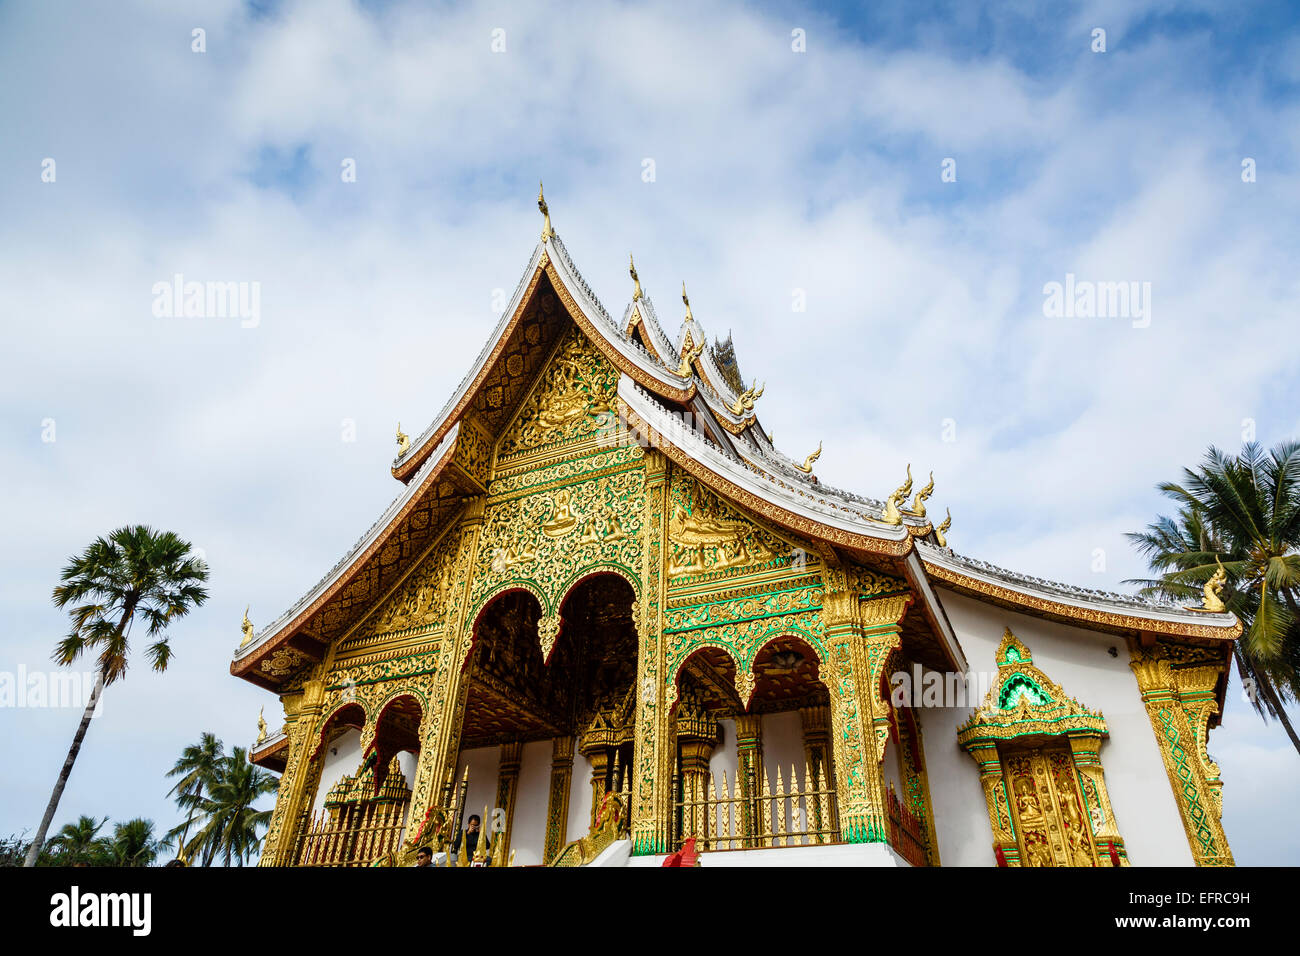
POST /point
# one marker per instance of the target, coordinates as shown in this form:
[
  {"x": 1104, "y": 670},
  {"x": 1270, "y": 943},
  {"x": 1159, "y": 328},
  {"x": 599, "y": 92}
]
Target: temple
[{"x": 609, "y": 617}]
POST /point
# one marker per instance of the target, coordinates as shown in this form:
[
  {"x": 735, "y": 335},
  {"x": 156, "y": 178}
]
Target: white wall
[
  {"x": 483, "y": 763},
  {"x": 341, "y": 758},
  {"x": 1077, "y": 660},
  {"x": 529, "y": 828},
  {"x": 782, "y": 746},
  {"x": 579, "y": 824}
]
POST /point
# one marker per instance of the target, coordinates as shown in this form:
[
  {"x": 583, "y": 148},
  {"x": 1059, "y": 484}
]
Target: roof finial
[
  {"x": 806, "y": 467},
  {"x": 1213, "y": 590},
  {"x": 403, "y": 441},
  {"x": 246, "y": 626},
  {"x": 918, "y": 503},
  {"x": 631, "y": 267},
  {"x": 689, "y": 317},
  {"x": 547, "y": 231},
  {"x": 943, "y": 526},
  {"x": 892, "y": 514}
]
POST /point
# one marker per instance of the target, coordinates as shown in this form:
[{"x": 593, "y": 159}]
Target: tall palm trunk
[
  {"x": 1265, "y": 687},
  {"x": 35, "y": 849}
]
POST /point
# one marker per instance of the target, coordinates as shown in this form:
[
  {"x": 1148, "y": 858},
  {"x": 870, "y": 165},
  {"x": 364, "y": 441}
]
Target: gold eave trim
[{"x": 1095, "y": 618}]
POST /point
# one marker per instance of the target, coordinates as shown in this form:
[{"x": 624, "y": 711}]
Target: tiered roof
[{"x": 686, "y": 411}]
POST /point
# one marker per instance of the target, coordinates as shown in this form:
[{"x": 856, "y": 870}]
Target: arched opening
[
  {"x": 527, "y": 720},
  {"x": 754, "y": 773}
]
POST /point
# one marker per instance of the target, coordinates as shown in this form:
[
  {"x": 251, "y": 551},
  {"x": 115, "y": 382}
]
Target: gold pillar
[
  {"x": 441, "y": 729},
  {"x": 1092, "y": 783},
  {"x": 995, "y": 798},
  {"x": 816, "y": 722},
  {"x": 860, "y": 636},
  {"x": 654, "y": 748},
  {"x": 557, "y": 804},
  {"x": 507, "y": 788},
  {"x": 302, "y": 713},
  {"x": 819, "y": 768},
  {"x": 1180, "y": 702},
  {"x": 749, "y": 768},
  {"x": 916, "y": 782},
  {"x": 598, "y": 757}
]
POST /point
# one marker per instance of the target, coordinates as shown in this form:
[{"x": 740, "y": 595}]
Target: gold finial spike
[
  {"x": 943, "y": 527},
  {"x": 687, "y": 301},
  {"x": 918, "y": 503},
  {"x": 403, "y": 441},
  {"x": 547, "y": 231},
  {"x": 480, "y": 848},
  {"x": 636, "y": 289},
  {"x": 1214, "y": 588},
  {"x": 806, "y": 467},
  {"x": 246, "y": 627},
  {"x": 261, "y": 727}
]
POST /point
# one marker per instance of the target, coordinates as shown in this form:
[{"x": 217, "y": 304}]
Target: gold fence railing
[
  {"x": 352, "y": 834},
  {"x": 735, "y": 816}
]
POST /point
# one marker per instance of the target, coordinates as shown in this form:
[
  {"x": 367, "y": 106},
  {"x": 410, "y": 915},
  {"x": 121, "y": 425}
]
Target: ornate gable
[
  {"x": 572, "y": 399},
  {"x": 1025, "y": 702}
]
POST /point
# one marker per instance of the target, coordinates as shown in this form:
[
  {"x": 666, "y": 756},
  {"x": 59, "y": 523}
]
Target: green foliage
[
  {"x": 219, "y": 799},
  {"x": 134, "y": 573},
  {"x": 1244, "y": 511}
]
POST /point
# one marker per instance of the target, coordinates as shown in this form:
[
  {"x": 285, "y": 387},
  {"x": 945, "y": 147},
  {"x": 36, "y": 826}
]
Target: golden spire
[
  {"x": 944, "y": 526},
  {"x": 247, "y": 628},
  {"x": 636, "y": 290},
  {"x": 480, "y": 848},
  {"x": 403, "y": 441},
  {"x": 918, "y": 503},
  {"x": 806, "y": 467},
  {"x": 689, "y": 317},
  {"x": 547, "y": 231},
  {"x": 892, "y": 514}
]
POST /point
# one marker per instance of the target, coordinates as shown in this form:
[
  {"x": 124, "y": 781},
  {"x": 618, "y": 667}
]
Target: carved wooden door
[{"x": 1051, "y": 827}]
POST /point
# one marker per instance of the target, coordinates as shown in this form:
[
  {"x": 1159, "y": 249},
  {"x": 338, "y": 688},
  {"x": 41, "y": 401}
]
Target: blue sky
[{"x": 775, "y": 171}]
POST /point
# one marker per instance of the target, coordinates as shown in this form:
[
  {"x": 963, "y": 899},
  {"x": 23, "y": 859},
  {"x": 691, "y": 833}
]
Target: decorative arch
[
  {"x": 356, "y": 711},
  {"x": 1038, "y": 751},
  {"x": 485, "y": 605},
  {"x": 591, "y": 570}
]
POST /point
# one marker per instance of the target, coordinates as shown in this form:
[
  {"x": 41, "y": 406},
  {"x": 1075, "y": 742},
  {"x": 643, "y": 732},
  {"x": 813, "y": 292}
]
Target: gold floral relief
[
  {"x": 422, "y": 599},
  {"x": 545, "y": 539},
  {"x": 708, "y": 538},
  {"x": 571, "y": 399}
]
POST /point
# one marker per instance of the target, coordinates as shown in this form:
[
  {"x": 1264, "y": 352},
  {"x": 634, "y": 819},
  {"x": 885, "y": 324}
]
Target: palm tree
[
  {"x": 134, "y": 843},
  {"x": 1243, "y": 511},
  {"x": 136, "y": 571},
  {"x": 197, "y": 767},
  {"x": 231, "y": 823},
  {"x": 78, "y": 842}
]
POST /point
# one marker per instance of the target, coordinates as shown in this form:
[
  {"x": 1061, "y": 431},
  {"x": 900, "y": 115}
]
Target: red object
[
  {"x": 686, "y": 856},
  {"x": 1114, "y": 856},
  {"x": 1001, "y": 857}
]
